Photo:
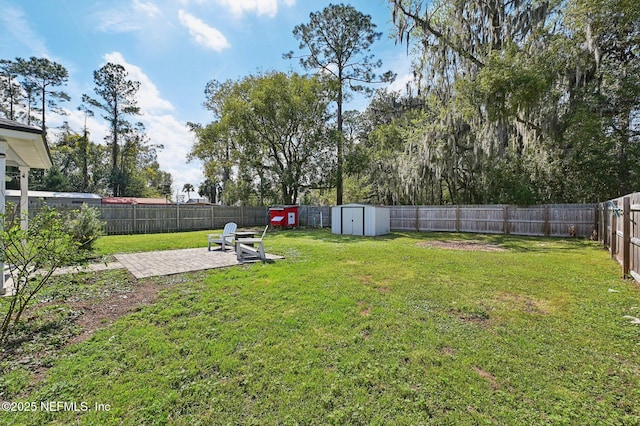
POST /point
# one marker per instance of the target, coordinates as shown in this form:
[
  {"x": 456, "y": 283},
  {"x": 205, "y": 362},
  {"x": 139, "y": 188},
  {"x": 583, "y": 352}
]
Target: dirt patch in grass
[
  {"x": 488, "y": 376},
  {"x": 71, "y": 316},
  {"x": 523, "y": 303},
  {"x": 365, "y": 310},
  {"x": 366, "y": 279},
  {"x": 448, "y": 351},
  {"x": 97, "y": 314},
  {"x": 475, "y": 315},
  {"x": 461, "y": 245}
]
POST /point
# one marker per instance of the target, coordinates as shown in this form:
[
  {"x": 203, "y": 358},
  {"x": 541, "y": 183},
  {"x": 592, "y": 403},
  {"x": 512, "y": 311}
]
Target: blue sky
[{"x": 173, "y": 47}]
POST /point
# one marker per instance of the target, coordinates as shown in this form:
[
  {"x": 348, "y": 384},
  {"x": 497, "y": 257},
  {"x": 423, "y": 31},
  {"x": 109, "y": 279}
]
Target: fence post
[
  {"x": 596, "y": 223},
  {"x": 505, "y": 213},
  {"x": 614, "y": 233},
  {"x": 604, "y": 219},
  {"x": 417, "y": 219},
  {"x": 602, "y": 224},
  {"x": 457, "y": 218},
  {"x": 626, "y": 236},
  {"x": 135, "y": 218},
  {"x": 547, "y": 228},
  {"x": 178, "y": 216},
  {"x": 599, "y": 223}
]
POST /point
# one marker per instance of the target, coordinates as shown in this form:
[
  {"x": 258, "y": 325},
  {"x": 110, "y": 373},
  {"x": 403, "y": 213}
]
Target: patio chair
[
  {"x": 247, "y": 246},
  {"x": 224, "y": 239}
]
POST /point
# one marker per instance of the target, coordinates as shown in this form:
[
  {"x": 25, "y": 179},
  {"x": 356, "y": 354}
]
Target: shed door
[{"x": 353, "y": 220}]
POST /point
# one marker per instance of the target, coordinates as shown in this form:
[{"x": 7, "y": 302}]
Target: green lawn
[
  {"x": 151, "y": 242},
  {"x": 352, "y": 330}
]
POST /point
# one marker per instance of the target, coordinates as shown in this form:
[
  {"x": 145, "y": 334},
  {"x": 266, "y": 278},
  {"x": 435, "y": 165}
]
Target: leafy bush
[
  {"x": 33, "y": 255},
  {"x": 85, "y": 226}
]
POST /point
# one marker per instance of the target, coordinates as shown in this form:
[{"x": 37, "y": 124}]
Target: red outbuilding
[{"x": 284, "y": 216}]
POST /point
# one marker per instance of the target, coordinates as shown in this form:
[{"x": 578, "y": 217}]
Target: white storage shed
[{"x": 360, "y": 219}]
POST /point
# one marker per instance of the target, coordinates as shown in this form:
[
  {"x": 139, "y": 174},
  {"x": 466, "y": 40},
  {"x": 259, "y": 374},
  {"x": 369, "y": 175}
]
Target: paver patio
[
  {"x": 168, "y": 262},
  {"x": 158, "y": 263}
]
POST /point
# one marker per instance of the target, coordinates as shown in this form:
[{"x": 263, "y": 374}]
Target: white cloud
[
  {"x": 203, "y": 34},
  {"x": 136, "y": 17},
  {"x": 98, "y": 129},
  {"x": 240, "y": 7},
  {"x": 400, "y": 63},
  {"x": 148, "y": 8},
  {"x": 149, "y": 98},
  {"x": 261, "y": 7},
  {"x": 19, "y": 28},
  {"x": 177, "y": 141},
  {"x": 401, "y": 83},
  {"x": 119, "y": 21}
]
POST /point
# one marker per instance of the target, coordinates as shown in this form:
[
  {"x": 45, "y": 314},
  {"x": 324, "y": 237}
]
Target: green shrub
[
  {"x": 85, "y": 226},
  {"x": 32, "y": 256}
]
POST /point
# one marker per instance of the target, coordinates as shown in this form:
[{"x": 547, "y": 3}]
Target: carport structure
[{"x": 24, "y": 147}]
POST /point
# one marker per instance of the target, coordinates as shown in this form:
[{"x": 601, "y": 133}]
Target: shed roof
[
  {"x": 134, "y": 200},
  {"x": 52, "y": 194},
  {"x": 361, "y": 205}
]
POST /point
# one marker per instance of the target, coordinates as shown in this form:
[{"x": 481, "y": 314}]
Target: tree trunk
[
  {"x": 339, "y": 187},
  {"x": 85, "y": 171},
  {"x": 114, "y": 153},
  {"x": 624, "y": 186},
  {"x": 44, "y": 126}
]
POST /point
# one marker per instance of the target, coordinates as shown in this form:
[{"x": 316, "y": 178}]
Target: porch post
[
  {"x": 24, "y": 197},
  {"x": 3, "y": 172}
]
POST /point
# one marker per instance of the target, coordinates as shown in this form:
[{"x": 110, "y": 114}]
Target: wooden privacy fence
[
  {"x": 557, "y": 220},
  {"x": 545, "y": 220},
  {"x": 147, "y": 219},
  {"x": 315, "y": 216},
  {"x": 140, "y": 219},
  {"x": 619, "y": 231}
]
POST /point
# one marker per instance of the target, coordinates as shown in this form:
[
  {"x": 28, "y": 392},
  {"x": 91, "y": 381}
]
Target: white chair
[
  {"x": 226, "y": 238},
  {"x": 246, "y": 246}
]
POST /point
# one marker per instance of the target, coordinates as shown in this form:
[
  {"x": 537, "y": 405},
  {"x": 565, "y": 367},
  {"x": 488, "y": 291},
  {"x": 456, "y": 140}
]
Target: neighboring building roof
[
  {"x": 51, "y": 194},
  {"x": 197, "y": 201},
  {"x": 135, "y": 200}
]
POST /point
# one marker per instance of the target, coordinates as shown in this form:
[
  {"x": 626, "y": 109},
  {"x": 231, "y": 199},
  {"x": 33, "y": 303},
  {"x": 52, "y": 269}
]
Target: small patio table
[{"x": 245, "y": 234}]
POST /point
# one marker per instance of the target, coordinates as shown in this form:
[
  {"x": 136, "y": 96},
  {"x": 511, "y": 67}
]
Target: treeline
[
  {"x": 524, "y": 102},
  {"x": 282, "y": 138},
  {"x": 125, "y": 165},
  {"x": 516, "y": 101}
]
